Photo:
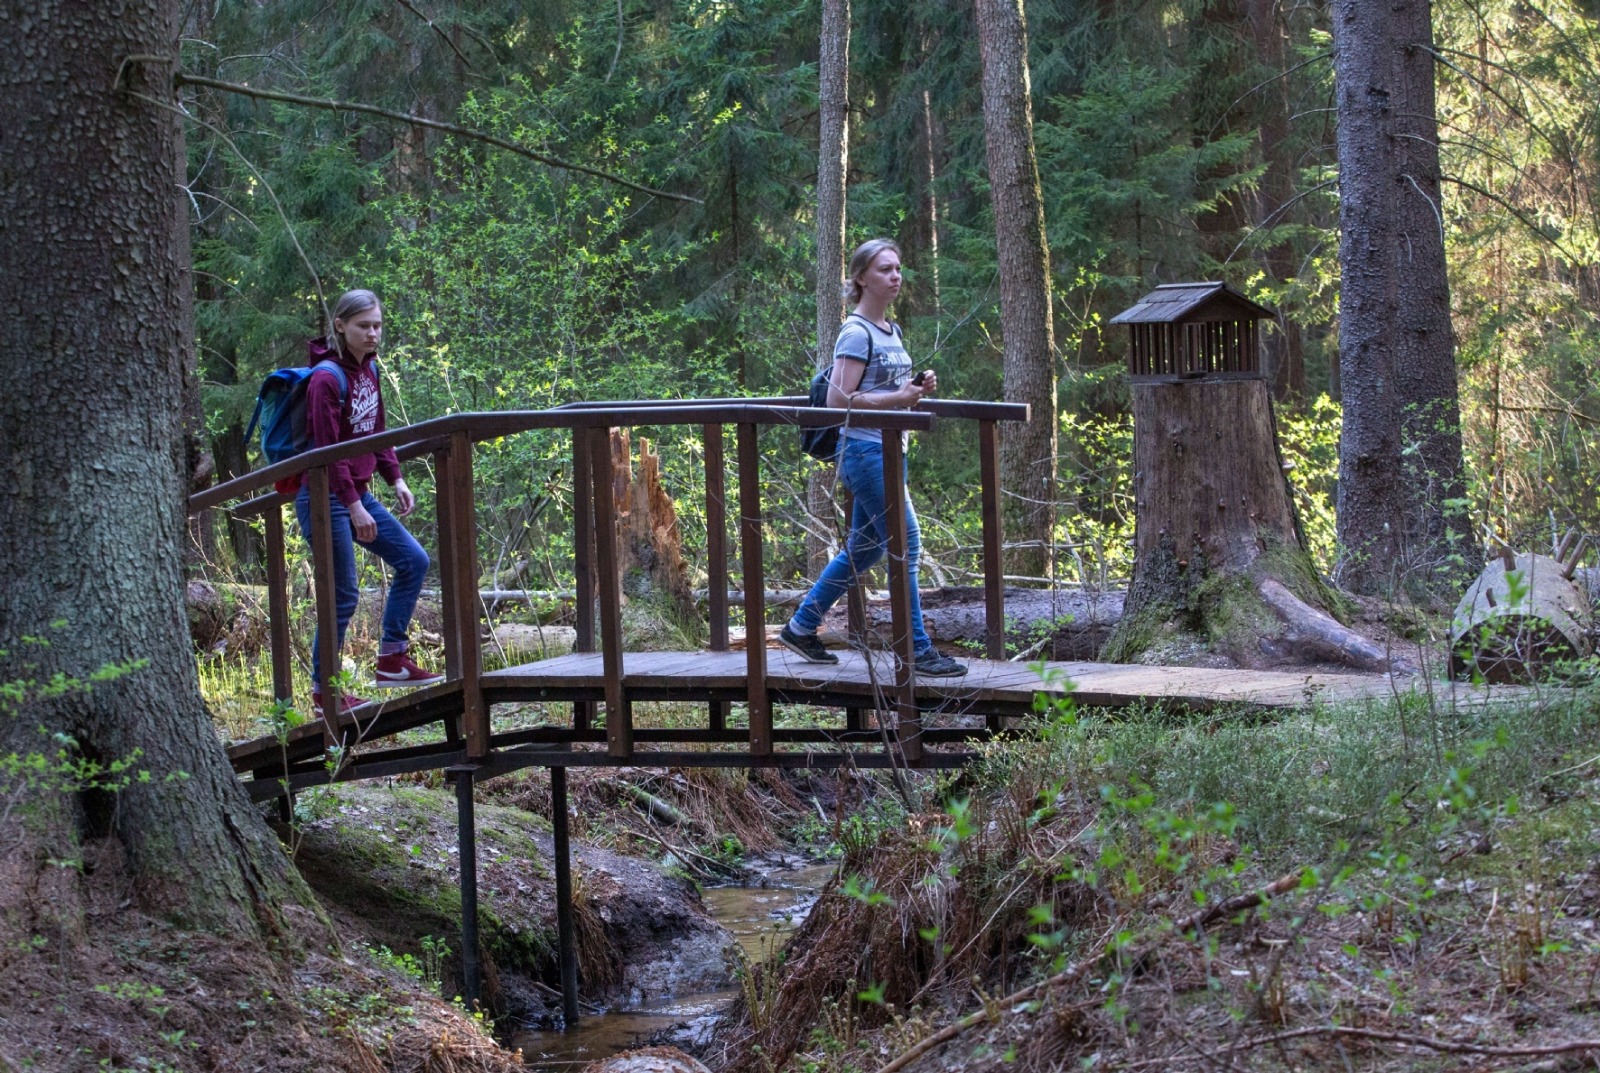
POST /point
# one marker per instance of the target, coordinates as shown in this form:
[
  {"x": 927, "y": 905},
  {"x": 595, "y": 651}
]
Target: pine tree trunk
[
  {"x": 833, "y": 158},
  {"x": 1283, "y": 359},
  {"x": 1401, "y": 509},
  {"x": 1027, "y": 452},
  {"x": 92, "y": 354}
]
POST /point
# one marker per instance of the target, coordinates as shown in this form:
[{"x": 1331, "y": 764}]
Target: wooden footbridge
[{"x": 881, "y": 715}]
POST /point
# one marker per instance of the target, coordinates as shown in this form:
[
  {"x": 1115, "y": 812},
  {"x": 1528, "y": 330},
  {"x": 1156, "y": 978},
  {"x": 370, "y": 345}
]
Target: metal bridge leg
[
  {"x": 566, "y": 939},
  {"x": 467, "y": 832}
]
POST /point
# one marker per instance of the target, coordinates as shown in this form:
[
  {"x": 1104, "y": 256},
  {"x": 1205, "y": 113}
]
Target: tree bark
[
  {"x": 1027, "y": 452},
  {"x": 1402, "y": 519},
  {"x": 652, "y": 544},
  {"x": 833, "y": 162},
  {"x": 1283, "y": 357},
  {"x": 1218, "y": 553},
  {"x": 92, "y": 352}
]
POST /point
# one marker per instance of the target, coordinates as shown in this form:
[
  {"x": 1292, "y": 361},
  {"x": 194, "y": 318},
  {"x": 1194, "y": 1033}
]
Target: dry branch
[
  {"x": 184, "y": 79},
  {"x": 1075, "y": 972},
  {"x": 1445, "y": 1046}
]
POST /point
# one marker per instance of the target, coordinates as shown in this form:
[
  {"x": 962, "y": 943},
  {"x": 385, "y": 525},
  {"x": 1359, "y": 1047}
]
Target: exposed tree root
[{"x": 1319, "y": 635}]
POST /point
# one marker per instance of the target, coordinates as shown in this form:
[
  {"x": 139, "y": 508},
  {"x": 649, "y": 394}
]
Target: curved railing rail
[{"x": 449, "y": 441}]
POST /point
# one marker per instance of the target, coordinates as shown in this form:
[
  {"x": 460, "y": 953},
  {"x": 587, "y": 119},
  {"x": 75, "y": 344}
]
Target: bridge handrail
[
  {"x": 450, "y": 440},
  {"x": 492, "y": 424}
]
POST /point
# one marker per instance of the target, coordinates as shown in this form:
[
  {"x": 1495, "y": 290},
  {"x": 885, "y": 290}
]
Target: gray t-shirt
[{"x": 889, "y": 368}]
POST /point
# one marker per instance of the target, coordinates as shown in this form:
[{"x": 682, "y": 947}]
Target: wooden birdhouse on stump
[
  {"x": 1211, "y": 498},
  {"x": 1189, "y": 330}
]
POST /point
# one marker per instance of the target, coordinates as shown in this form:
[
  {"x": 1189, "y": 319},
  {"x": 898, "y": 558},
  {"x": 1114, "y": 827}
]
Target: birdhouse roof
[{"x": 1173, "y": 302}]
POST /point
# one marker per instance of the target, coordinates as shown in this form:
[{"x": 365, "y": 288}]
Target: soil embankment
[{"x": 384, "y": 859}]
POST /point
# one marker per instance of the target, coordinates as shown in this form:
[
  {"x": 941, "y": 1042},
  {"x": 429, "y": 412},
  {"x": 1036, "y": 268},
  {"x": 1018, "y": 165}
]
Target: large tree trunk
[
  {"x": 833, "y": 162},
  {"x": 1027, "y": 452},
  {"x": 92, "y": 353},
  {"x": 1401, "y": 507},
  {"x": 1283, "y": 357},
  {"x": 1219, "y": 558}
]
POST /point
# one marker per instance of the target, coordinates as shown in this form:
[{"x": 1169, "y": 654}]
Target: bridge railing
[{"x": 449, "y": 441}]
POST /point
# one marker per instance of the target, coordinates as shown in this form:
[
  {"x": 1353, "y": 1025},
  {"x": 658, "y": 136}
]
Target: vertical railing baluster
[
  {"x": 994, "y": 600},
  {"x": 447, "y": 564},
  {"x": 324, "y": 588},
  {"x": 909, "y": 729},
  {"x": 583, "y": 560},
  {"x": 619, "y": 720},
  {"x": 758, "y": 700},
  {"x": 855, "y": 612},
  {"x": 278, "y": 606},
  {"x": 464, "y": 529},
  {"x": 716, "y": 555}
]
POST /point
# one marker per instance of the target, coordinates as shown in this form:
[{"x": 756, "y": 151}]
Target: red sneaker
[
  {"x": 396, "y": 671},
  {"x": 348, "y": 702}
]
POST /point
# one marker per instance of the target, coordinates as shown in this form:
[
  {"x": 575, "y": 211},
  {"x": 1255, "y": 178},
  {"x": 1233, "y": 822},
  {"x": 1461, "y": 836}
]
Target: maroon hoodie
[{"x": 360, "y": 415}]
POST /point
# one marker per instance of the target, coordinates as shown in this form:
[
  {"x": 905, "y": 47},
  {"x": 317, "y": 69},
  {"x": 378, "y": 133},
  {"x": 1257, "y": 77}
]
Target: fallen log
[{"x": 1523, "y": 614}]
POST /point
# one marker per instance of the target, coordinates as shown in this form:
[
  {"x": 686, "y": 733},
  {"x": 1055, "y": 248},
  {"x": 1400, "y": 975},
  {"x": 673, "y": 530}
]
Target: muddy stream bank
[{"x": 760, "y": 916}]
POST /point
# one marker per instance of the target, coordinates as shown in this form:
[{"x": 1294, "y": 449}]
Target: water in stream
[{"x": 760, "y": 918}]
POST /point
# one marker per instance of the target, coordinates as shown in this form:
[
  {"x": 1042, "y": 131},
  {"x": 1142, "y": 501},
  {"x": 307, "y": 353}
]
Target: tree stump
[
  {"x": 651, "y": 548},
  {"x": 1218, "y": 553},
  {"x": 1521, "y": 616}
]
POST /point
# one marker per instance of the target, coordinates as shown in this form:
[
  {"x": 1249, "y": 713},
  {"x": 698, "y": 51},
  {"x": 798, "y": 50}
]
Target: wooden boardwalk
[{"x": 957, "y": 712}]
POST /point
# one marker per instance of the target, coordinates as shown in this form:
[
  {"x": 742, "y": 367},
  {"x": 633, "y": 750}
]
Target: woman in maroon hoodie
[{"x": 335, "y": 415}]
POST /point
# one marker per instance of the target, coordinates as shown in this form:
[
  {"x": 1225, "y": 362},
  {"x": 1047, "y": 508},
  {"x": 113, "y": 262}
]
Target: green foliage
[
  {"x": 1170, "y": 147},
  {"x": 59, "y": 766}
]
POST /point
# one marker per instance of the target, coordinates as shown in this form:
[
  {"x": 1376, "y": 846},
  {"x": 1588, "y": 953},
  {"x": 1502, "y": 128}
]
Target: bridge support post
[
  {"x": 323, "y": 586},
  {"x": 467, "y": 835},
  {"x": 908, "y": 725},
  {"x": 716, "y": 556},
  {"x": 583, "y": 561},
  {"x": 278, "y": 607},
  {"x": 566, "y": 937}
]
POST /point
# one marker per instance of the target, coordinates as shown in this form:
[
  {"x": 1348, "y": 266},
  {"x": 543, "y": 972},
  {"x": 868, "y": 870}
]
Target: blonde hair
[
  {"x": 349, "y": 304},
  {"x": 862, "y": 259}
]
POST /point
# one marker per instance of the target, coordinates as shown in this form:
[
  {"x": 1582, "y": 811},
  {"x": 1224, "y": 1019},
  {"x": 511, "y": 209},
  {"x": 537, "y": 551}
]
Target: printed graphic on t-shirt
[{"x": 363, "y": 406}]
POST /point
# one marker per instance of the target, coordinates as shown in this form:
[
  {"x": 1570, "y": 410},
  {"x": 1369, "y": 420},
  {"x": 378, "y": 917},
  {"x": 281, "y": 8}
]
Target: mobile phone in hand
[{"x": 920, "y": 377}]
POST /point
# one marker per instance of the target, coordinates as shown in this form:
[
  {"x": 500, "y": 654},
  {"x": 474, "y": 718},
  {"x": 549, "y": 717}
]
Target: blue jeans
[
  {"x": 394, "y": 545},
  {"x": 861, "y": 471}
]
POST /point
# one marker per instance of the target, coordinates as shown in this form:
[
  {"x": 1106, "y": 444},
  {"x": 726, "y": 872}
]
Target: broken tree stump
[
  {"x": 1522, "y": 616},
  {"x": 651, "y": 558}
]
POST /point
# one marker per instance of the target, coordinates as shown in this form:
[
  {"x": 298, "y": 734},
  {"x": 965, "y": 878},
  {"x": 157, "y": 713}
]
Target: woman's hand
[
  {"x": 912, "y": 392},
  {"x": 362, "y": 523},
  {"x": 403, "y": 498}
]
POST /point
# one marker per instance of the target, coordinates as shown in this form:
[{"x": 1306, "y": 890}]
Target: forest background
[{"x": 1176, "y": 141}]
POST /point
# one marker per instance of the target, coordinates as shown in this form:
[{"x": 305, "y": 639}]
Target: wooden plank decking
[
  {"x": 958, "y": 710},
  {"x": 988, "y": 685}
]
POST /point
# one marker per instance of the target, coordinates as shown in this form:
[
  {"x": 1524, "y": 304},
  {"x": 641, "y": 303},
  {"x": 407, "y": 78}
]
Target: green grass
[{"x": 1304, "y": 783}]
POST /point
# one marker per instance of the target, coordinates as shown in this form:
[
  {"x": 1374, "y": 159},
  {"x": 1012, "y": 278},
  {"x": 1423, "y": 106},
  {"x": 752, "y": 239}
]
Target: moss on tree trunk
[{"x": 1219, "y": 559}]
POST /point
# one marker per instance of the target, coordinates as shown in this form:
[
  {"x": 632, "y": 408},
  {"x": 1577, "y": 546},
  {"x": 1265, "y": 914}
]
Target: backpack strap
[
  {"x": 338, "y": 374},
  {"x": 869, "y": 326},
  {"x": 255, "y": 419}
]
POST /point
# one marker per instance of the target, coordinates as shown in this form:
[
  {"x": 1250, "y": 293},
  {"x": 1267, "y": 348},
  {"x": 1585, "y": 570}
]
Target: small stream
[{"x": 760, "y": 918}]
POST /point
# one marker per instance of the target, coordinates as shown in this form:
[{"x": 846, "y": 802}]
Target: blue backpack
[{"x": 281, "y": 409}]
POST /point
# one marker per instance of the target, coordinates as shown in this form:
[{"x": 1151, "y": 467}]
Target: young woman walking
[
  {"x": 335, "y": 413},
  {"x": 871, "y": 371}
]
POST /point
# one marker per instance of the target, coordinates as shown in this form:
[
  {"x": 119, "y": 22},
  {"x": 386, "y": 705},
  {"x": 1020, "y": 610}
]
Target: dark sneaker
[
  {"x": 935, "y": 664},
  {"x": 397, "y": 670},
  {"x": 805, "y": 645}
]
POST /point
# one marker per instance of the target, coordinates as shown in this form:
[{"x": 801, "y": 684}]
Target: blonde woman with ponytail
[{"x": 871, "y": 371}]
